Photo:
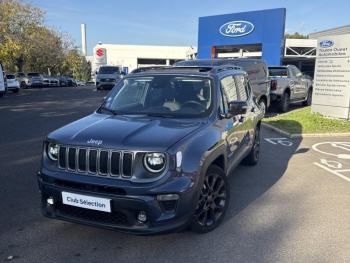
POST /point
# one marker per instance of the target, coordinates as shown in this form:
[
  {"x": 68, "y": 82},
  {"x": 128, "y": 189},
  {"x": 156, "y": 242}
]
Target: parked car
[
  {"x": 3, "y": 84},
  {"x": 288, "y": 86},
  {"x": 107, "y": 76},
  {"x": 46, "y": 80},
  {"x": 12, "y": 83},
  {"x": 54, "y": 81},
  {"x": 29, "y": 80},
  {"x": 257, "y": 71},
  {"x": 69, "y": 81},
  {"x": 62, "y": 80},
  {"x": 80, "y": 83},
  {"x": 156, "y": 155}
]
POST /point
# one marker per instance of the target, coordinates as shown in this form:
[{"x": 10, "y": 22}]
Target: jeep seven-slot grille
[{"x": 94, "y": 161}]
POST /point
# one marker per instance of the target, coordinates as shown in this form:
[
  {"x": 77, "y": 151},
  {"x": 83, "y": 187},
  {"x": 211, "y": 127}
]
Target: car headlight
[
  {"x": 52, "y": 151},
  {"x": 154, "y": 162}
]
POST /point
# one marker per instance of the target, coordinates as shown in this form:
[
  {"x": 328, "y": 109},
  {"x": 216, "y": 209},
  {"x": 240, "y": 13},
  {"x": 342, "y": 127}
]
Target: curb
[{"x": 308, "y": 135}]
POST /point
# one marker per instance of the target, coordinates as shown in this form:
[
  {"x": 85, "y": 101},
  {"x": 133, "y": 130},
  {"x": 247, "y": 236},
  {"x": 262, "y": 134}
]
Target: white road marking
[
  {"x": 332, "y": 164},
  {"x": 342, "y": 145},
  {"x": 335, "y": 172},
  {"x": 281, "y": 141}
]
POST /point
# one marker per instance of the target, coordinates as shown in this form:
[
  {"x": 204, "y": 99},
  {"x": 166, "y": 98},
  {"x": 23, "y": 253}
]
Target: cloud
[{"x": 302, "y": 26}]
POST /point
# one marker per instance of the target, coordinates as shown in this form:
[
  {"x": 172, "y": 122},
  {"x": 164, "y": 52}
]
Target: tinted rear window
[
  {"x": 278, "y": 72},
  {"x": 10, "y": 76},
  {"x": 108, "y": 70},
  {"x": 33, "y": 74}
]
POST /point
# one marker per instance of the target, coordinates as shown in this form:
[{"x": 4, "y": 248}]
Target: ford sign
[
  {"x": 236, "y": 28},
  {"x": 326, "y": 43}
]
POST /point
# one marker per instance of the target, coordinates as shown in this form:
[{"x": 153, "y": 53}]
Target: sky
[{"x": 175, "y": 23}]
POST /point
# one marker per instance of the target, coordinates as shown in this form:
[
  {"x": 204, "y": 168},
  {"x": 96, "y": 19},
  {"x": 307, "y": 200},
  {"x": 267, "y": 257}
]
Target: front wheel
[
  {"x": 213, "y": 201},
  {"x": 308, "y": 100},
  {"x": 253, "y": 157},
  {"x": 24, "y": 85}
]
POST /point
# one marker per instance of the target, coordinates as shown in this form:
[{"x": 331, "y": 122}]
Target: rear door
[{"x": 299, "y": 83}]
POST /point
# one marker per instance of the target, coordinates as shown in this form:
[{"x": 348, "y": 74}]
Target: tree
[
  {"x": 296, "y": 35},
  {"x": 18, "y": 22}
]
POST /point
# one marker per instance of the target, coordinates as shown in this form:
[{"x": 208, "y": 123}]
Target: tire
[
  {"x": 1, "y": 94},
  {"x": 24, "y": 85},
  {"x": 284, "y": 103},
  {"x": 213, "y": 201},
  {"x": 263, "y": 106},
  {"x": 308, "y": 99},
  {"x": 16, "y": 91},
  {"x": 253, "y": 157}
]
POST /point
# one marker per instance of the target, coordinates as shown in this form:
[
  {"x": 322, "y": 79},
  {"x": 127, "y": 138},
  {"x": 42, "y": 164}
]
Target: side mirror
[{"x": 237, "y": 107}]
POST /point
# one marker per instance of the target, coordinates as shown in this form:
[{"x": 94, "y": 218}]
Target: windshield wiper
[
  {"x": 110, "y": 110},
  {"x": 160, "y": 115}
]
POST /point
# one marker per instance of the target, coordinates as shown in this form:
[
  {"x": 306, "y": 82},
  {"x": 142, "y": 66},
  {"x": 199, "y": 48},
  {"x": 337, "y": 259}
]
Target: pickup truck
[{"x": 288, "y": 85}]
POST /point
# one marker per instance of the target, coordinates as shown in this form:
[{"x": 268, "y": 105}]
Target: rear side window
[
  {"x": 296, "y": 72},
  {"x": 242, "y": 87},
  {"x": 10, "y": 76}
]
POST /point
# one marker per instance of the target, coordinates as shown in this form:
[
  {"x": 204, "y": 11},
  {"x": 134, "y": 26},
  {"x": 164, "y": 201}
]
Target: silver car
[
  {"x": 29, "y": 80},
  {"x": 108, "y": 76}
]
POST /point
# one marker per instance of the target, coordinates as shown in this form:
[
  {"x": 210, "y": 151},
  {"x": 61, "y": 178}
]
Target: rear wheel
[
  {"x": 16, "y": 91},
  {"x": 213, "y": 201},
  {"x": 284, "y": 103},
  {"x": 253, "y": 157},
  {"x": 263, "y": 106},
  {"x": 308, "y": 100}
]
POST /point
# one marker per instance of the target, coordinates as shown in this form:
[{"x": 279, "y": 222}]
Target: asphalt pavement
[{"x": 292, "y": 207}]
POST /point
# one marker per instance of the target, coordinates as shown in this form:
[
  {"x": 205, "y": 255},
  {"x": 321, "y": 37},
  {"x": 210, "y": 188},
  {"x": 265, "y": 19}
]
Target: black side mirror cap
[{"x": 237, "y": 107}]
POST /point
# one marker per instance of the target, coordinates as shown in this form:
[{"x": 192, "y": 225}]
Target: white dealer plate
[{"x": 88, "y": 202}]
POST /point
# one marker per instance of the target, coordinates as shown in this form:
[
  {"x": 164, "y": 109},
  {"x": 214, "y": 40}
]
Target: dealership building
[{"x": 256, "y": 34}]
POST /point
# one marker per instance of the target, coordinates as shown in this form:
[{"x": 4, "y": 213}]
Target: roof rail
[
  {"x": 209, "y": 69},
  {"x": 223, "y": 68},
  {"x": 169, "y": 68}
]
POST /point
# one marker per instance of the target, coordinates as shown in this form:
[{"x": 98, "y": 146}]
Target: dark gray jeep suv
[{"x": 155, "y": 156}]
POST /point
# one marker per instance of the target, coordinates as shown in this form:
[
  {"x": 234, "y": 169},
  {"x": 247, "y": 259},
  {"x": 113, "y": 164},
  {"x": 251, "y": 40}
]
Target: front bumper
[
  {"x": 106, "y": 85},
  {"x": 127, "y": 201},
  {"x": 35, "y": 84}
]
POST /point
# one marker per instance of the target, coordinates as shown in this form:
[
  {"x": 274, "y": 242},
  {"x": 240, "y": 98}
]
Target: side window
[
  {"x": 229, "y": 92},
  {"x": 298, "y": 73},
  {"x": 242, "y": 87}
]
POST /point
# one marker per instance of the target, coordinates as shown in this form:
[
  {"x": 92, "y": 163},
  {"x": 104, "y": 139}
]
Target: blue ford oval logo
[
  {"x": 326, "y": 43},
  {"x": 236, "y": 28}
]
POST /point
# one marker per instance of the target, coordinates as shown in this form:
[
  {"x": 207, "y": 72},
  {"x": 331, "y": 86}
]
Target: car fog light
[
  {"x": 169, "y": 197},
  {"x": 50, "y": 201},
  {"x": 142, "y": 217}
]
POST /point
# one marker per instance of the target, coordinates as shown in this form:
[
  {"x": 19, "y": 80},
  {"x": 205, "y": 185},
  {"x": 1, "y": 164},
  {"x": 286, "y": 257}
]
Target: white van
[{"x": 3, "y": 86}]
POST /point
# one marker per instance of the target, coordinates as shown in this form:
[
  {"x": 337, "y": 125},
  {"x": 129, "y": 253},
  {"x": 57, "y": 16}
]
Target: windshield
[
  {"x": 33, "y": 74},
  {"x": 108, "y": 70},
  {"x": 164, "y": 96},
  {"x": 278, "y": 72}
]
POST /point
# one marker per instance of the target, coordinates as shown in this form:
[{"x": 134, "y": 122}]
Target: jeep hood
[{"x": 125, "y": 132}]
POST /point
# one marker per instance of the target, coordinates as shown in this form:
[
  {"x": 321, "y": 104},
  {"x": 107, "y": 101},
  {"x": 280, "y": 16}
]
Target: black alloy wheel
[
  {"x": 253, "y": 157},
  {"x": 213, "y": 201},
  {"x": 308, "y": 99},
  {"x": 284, "y": 103}
]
